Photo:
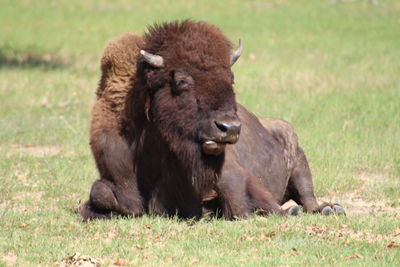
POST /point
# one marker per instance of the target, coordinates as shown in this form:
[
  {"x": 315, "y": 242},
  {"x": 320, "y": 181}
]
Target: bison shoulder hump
[{"x": 118, "y": 67}]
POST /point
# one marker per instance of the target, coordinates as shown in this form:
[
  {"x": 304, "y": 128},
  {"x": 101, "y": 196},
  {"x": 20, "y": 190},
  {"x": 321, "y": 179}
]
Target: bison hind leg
[{"x": 300, "y": 189}]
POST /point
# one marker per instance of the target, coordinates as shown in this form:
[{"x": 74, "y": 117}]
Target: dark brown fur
[{"x": 147, "y": 131}]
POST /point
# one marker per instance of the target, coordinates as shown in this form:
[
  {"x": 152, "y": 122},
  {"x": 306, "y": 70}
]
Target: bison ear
[
  {"x": 154, "y": 60},
  {"x": 236, "y": 54}
]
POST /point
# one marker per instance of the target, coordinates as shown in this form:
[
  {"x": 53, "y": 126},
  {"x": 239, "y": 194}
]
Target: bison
[{"x": 165, "y": 134}]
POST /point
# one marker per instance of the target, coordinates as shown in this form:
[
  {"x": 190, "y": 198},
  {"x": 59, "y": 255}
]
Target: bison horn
[
  {"x": 236, "y": 54},
  {"x": 154, "y": 60}
]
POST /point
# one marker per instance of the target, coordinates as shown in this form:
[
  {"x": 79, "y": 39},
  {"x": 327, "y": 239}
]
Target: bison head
[{"x": 186, "y": 71}]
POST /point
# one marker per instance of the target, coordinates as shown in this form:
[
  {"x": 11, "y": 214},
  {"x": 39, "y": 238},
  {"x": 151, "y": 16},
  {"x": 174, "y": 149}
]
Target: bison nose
[{"x": 230, "y": 130}]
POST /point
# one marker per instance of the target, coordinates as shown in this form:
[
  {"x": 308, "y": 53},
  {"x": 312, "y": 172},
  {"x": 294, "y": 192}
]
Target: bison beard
[{"x": 165, "y": 128}]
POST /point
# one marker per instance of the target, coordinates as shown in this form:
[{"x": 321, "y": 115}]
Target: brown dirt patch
[
  {"x": 10, "y": 259},
  {"x": 355, "y": 204},
  {"x": 35, "y": 151}
]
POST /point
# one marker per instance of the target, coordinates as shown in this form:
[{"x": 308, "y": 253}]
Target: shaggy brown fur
[{"x": 158, "y": 134}]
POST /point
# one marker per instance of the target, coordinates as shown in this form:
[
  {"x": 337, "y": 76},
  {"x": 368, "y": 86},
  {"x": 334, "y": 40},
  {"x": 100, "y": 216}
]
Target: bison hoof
[
  {"x": 295, "y": 210},
  {"x": 339, "y": 210},
  {"x": 327, "y": 211}
]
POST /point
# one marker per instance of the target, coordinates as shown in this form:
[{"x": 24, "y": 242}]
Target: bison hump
[{"x": 118, "y": 67}]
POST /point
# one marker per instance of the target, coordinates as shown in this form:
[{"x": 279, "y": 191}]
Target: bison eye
[{"x": 182, "y": 81}]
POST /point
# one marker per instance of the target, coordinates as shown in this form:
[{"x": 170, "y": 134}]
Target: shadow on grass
[{"x": 11, "y": 58}]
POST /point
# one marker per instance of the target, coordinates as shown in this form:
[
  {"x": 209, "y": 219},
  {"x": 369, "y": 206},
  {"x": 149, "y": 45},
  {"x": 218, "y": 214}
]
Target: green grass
[{"x": 331, "y": 70}]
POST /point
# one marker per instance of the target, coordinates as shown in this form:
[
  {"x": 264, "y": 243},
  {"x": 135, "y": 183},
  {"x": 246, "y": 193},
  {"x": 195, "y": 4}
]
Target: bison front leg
[
  {"x": 116, "y": 193},
  {"x": 102, "y": 203},
  {"x": 242, "y": 193},
  {"x": 300, "y": 188},
  {"x": 262, "y": 200},
  {"x": 232, "y": 192}
]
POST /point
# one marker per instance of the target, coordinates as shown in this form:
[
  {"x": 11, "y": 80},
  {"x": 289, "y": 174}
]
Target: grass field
[{"x": 333, "y": 70}]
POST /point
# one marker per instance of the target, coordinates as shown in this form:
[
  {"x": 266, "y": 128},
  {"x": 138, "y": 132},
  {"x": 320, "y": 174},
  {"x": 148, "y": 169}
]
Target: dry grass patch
[{"x": 34, "y": 151}]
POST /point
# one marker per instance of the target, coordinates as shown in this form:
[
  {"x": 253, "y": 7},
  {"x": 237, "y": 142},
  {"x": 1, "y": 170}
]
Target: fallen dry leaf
[
  {"x": 393, "y": 244},
  {"x": 24, "y": 225},
  {"x": 138, "y": 246},
  {"x": 354, "y": 256},
  {"x": 295, "y": 251},
  {"x": 246, "y": 237},
  {"x": 121, "y": 262},
  {"x": 147, "y": 255},
  {"x": 158, "y": 236},
  {"x": 21, "y": 175},
  {"x": 112, "y": 233},
  {"x": 78, "y": 260},
  {"x": 96, "y": 235},
  {"x": 270, "y": 235}
]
